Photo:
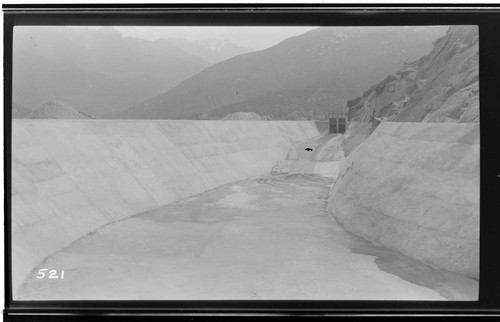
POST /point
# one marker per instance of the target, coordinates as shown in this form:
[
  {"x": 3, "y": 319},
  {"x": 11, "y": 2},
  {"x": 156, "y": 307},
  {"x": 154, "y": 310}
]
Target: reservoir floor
[{"x": 266, "y": 238}]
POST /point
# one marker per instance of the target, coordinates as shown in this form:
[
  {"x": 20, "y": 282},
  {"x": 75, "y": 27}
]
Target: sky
[
  {"x": 252, "y": 37},
  {"x": 256, "y": 38}
]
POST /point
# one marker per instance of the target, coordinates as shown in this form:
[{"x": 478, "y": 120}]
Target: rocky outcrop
[
  {"x": 440, "y": 87},
  {"x": 58, "y": 110}
]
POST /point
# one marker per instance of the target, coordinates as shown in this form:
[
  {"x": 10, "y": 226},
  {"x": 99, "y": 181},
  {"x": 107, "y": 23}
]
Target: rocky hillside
[
  {"x": 442, "y": 86},
  {"x": 57, "y": 110},
  {"x": 326, "y": 66}
]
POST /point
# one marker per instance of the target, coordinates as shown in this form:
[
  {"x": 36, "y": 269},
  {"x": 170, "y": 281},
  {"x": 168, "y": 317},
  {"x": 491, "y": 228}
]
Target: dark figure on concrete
[{"x": 309, "y": 149}]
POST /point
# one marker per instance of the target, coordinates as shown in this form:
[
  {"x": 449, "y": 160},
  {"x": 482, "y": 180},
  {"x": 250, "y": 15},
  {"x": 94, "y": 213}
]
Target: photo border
[{"x": 486, "y": 17}]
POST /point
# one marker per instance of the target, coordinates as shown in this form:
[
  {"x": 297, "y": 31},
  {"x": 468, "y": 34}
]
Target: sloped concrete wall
[
  {"x": 324, "y": 159},
  {"x": 356, "y": 133},
  {"x": 414, "y": 187},
  {"x": 70, "y": 177}
]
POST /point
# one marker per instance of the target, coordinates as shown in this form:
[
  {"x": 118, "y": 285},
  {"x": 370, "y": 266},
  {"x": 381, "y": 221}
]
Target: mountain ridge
[{"x": 319, "y": 55}]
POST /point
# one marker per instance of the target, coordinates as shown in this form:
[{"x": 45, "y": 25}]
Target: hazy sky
[{"x": 254, "y": 37}]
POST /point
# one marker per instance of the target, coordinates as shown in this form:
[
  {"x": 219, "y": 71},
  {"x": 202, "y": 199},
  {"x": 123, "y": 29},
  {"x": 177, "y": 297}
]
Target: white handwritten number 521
[{"x": 52, "y": 273}]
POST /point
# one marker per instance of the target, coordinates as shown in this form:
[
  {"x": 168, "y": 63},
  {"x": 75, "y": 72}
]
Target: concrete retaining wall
[
  {"x": 70, "y": 177},
  {"x": 414, "y": 187}
]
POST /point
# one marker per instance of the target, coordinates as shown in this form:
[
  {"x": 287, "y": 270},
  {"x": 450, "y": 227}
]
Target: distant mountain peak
[
  {"x": 213, "y": 50},
  {"x": 218, "y": 44},
  {"x": 110, "y": 32}
]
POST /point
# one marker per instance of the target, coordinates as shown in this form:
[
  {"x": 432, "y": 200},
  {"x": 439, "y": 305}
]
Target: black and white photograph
[{"x": 244, "y": 162}]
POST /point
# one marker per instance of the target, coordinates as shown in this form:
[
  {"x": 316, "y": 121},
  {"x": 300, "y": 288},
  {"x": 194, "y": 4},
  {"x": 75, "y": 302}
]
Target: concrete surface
[
  {"x": 324, "y": 159},
  {"x": 414, "y": 187},
  {"x": 70, "y": 177},
  {"x": 356, "y": 133},
  {"x": 270, "y": 238}
]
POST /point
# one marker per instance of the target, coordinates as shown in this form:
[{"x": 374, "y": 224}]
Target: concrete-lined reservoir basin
[{"x": 268, "y": 238}]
